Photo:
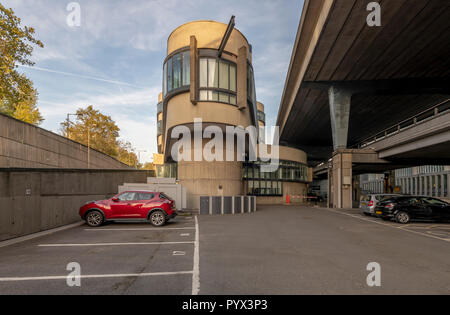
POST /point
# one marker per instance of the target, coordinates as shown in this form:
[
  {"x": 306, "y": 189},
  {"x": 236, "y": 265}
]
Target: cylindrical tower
[{"x": 200, "y": 81}]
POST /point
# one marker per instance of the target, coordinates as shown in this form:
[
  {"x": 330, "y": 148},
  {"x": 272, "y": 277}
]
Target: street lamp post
[
  {"x": 88, "y": 138},
  {"x": 139, "y": 155}
]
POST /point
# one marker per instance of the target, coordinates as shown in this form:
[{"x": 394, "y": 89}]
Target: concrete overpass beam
[{"x": 339, "y": 99}]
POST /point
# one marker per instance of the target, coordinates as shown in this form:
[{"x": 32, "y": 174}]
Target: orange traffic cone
[{"x": 288, "y": 199}]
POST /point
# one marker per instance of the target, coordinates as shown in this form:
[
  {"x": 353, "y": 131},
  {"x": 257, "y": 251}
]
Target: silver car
[{"x": 368, "y": 202}]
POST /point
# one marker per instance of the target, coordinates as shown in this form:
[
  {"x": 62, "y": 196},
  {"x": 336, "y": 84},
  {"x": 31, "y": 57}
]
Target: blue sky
[{"x": 114, "y": 59}]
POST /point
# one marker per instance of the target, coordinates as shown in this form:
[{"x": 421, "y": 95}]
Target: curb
[{"x": 38, "y": 234}]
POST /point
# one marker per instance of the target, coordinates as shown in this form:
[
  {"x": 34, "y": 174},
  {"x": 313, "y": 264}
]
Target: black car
[
  {"x": 406, "y": 208},
  {"x": 314, "y": 197}
]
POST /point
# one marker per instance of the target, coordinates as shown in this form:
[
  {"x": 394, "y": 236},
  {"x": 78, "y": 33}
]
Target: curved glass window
[
  {"x": 251, "y": 92},
  {"x": 288, "y": 171},
  {"x": 217, "y": 80},
  {"x": 177, "y": 72},
  {"x": 159, "y": 128},
  {"x": 159, "y": 108},
  {"x": 261, "y": 116}
]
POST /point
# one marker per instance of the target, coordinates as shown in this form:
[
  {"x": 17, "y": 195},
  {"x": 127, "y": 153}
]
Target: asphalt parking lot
[
  {"x": 116, "y": 258},
  {"x": 429, "y": 229},
  {"x": 307, "y": 250},
  {"x": 277, "y": 250}
]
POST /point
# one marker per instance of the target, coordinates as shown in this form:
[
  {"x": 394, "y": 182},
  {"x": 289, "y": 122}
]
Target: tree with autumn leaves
[
  {"x": 18, "y": 97},
  {"x": 99, "y": 132}
]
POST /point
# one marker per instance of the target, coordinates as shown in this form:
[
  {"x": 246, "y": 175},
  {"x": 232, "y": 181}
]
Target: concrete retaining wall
[
  {"x": 34, "y": 200},
  {"x": 24, "y": 145}
]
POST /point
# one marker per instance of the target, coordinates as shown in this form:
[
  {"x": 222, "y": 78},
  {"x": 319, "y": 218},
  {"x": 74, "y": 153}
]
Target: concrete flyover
[{"x": 348, "y": 81}]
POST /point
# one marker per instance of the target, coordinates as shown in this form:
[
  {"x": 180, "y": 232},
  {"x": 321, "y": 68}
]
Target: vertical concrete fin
[
  {"x": 194, "y": 70},
  {"x": 339, "y": 100},
  {"x": 242, "y": 78}
]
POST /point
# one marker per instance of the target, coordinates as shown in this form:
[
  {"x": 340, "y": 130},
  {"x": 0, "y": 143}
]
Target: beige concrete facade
[
  {"x": 183, "y": 102},
  {"x": 208, "y": 35}
]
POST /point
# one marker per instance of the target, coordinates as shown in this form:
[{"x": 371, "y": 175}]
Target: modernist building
[
  {"x": 208, "y": 74},
  {"x": 427, "y": 180}
]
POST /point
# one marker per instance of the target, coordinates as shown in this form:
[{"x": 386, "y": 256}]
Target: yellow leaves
[
  {"x": 17, "y": 94},
  {"x": 28, "y": 113}
]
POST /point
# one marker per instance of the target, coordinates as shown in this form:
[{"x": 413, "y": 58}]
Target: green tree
[
  {"x": 99, "y": 132},
  {"x": 127, "y": 155},
  {"x": 17, "y": 95},
  {"x": 93, "y": 129}
]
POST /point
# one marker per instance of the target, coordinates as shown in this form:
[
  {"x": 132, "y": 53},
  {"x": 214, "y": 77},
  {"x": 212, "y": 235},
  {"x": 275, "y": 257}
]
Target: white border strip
[
  {"x": 141, "y": 229},
  {"x": 196, "y": 271},
  {"x": 39, "y": 234},
  {"x": 113, "y": 244},
  {"x": 124, "y": 275}
]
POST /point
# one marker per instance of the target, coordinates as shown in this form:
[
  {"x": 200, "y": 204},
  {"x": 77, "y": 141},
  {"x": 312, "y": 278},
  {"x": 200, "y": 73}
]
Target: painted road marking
[
  {"x": 39, "y": 234},
  {"x": 124, "y": 275},
  {"x": 113, "y": 244},
  {"x": 185, "y": 234},
  {"x": 143, "y": 229},
  {"x": 178, "y": 253},
  {"x": 196, "y": 271},
  {"x": 403, "y": 228}
]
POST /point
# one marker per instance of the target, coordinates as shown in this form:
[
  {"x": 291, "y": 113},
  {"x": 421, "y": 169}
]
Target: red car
[{"x": 130, "y": 205}]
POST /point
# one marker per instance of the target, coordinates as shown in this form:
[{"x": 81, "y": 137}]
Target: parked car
[
  {"x": 155, "y": 207},
  {"x": 311, "y": 196},
  {"x": 406, "y": 208},
  {"x": 368, "y": 202}
]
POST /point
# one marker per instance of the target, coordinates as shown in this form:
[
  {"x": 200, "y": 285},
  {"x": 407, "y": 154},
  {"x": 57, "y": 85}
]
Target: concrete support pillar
[
  {"x": 330, "y": 186},
  {"x": 425, "y": 186},
  {"x": 442, "y": 194},
  {"x": 342, "y": 179},
  {"x": 340, "y": 113}
]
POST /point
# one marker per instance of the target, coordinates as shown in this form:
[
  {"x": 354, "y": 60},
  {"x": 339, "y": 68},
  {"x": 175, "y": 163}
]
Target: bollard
[{"x": 288, "y": 199}]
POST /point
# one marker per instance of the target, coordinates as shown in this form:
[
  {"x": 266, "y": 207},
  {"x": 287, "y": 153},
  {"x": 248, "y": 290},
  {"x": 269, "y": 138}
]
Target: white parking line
[
  {"x": 124, "y": 275},
  {"x": 178, "y": 253},
  {"x": 142, "y": 229},
  {"x": 39, "y": 234},
  {"x": 196, "y": 271},
  {"x": 113, "y": 244},
  {"x": 402, "y": 227}
]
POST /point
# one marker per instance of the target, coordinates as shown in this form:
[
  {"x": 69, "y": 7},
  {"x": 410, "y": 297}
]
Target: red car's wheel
[
  {"x": 94, "y": 218},
  {"x": 157, "y": 218}
]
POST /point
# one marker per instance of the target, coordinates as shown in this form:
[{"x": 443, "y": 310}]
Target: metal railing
[{"x": 419, "y": 118}]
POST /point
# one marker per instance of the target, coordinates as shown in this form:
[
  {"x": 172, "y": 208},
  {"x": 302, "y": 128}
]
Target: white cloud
[{"x": 77, "y": 66}]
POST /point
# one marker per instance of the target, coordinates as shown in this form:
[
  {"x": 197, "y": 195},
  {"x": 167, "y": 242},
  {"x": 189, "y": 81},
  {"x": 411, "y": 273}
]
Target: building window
[
  {"x": 168, "y": 170},
  {"x": 159, "y": 128},
  {"x": 159, "y": 108},
  {"x": 251, "y": 92},
  {"x": 288, "y": 171},
  {"x": 261, "y": 116},
  {"x": 217, "y": 80},
  {"x": 264, "y": 188},
  {"x": 186, "y": 68},
  {"x": 177, "y": 72}
]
